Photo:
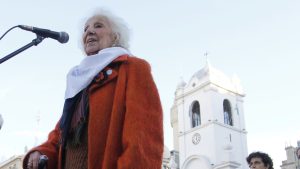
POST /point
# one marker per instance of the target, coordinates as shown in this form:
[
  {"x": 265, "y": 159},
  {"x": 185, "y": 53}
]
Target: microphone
[{"x": 62, "y": 37}]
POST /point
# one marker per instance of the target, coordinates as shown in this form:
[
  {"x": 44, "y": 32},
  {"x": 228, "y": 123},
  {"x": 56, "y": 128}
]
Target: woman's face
[{"x": 97, "y": 35}]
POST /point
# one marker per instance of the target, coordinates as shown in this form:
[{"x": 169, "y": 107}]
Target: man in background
[
  {"x": 1, "y": 121},
  {"x": 298, "y": 152},
  {"x": 259, "y": 160}
]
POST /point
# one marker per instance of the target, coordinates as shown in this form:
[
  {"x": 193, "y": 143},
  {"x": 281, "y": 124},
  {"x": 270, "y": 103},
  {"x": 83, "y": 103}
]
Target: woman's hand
[{"x": 33, "y": 160}]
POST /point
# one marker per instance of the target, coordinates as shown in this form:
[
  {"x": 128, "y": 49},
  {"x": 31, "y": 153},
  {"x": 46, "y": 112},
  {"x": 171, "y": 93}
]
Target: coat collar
[{"x": 121, "y": 58}]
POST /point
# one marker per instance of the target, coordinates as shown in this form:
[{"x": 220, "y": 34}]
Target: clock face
[{"x": 196, "y": 138}]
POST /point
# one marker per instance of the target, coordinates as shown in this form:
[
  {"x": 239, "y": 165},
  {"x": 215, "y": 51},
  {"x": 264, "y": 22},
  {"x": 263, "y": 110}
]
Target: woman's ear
[{"x": 116, "y": 38}]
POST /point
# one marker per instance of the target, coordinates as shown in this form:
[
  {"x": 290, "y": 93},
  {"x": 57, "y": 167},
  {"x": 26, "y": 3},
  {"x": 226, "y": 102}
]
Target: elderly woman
[{"x": 112, "y": 116}]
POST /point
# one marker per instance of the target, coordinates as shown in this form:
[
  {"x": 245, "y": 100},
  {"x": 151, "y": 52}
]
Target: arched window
[
  {"x": 195, "y": 114},
  {"x": 227, "y": 112}
]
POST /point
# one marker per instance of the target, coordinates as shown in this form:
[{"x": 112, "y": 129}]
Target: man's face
[
  {"x": 257, "y": 163},
  {"x": 298, "y": 153}
]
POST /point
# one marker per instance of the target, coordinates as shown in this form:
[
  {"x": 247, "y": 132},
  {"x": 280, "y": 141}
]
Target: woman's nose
[{"x": 90, "y": 31}]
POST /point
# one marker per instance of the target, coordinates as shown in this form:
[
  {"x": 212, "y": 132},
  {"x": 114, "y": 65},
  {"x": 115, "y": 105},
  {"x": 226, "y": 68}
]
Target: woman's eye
[
  {"x": 98, "y": 26},
  {"x": 85, "y": 29}
]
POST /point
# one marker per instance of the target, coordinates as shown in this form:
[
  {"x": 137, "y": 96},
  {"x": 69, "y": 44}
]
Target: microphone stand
[{"x": 34, "y": 42}]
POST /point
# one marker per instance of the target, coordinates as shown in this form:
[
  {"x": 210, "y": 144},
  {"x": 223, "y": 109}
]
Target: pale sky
[{"x": 256, "y": 40}]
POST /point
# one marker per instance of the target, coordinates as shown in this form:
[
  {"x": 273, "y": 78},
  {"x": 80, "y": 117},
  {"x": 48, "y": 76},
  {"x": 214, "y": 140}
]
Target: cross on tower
[
  {"x": 206, "y": 57},
  {"x": 205, "y": 54}
]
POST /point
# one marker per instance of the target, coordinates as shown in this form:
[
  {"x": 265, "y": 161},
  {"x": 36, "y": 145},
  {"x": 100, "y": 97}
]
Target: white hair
[{"x": 118, "y": 26}]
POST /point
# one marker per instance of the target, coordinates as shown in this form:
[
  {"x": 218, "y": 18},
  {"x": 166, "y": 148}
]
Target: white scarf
[{"x": 80, "y": 76}]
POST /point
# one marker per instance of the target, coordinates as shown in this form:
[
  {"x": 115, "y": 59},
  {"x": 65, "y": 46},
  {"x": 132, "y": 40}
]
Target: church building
[{"x": 208, "y": 123}]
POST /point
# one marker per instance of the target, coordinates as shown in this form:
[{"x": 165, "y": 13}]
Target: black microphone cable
[{"x": 8, "y": 31}]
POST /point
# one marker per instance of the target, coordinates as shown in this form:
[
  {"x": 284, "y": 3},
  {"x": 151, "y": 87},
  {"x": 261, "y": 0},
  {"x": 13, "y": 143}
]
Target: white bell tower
[{"x": 208, "y": 122}]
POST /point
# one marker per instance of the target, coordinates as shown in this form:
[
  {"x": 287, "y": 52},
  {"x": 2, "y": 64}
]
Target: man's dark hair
[{"x": 266, "y": 159}]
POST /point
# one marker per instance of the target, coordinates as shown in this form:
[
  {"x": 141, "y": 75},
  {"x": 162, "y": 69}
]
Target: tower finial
[
  {"x": 206, "y": 57},
  {"x": 207, "y": 65}
]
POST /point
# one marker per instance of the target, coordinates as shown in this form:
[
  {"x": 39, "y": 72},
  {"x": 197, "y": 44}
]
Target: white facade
[
  {"x": 292, "y": 161},
  {"x": 203, "y": 139},
  {"x": 14, "y": 162}
]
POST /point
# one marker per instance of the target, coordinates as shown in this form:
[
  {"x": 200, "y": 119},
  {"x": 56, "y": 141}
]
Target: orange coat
[{"x": 125, "y": 128}]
